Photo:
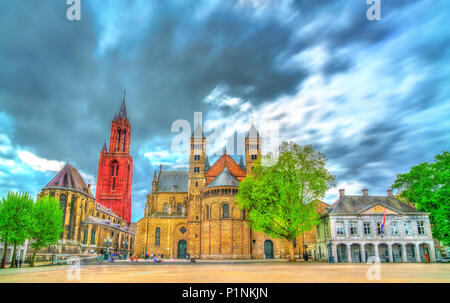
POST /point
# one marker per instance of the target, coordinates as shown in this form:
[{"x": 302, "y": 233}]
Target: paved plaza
[{"x": 256, "y": 272}]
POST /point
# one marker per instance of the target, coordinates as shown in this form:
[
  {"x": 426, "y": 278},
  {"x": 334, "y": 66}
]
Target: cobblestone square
[{"x": 251, "y": 272}]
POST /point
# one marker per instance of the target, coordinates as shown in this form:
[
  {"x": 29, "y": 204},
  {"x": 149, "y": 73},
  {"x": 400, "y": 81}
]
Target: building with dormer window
[{"x": 351, "y": 230}]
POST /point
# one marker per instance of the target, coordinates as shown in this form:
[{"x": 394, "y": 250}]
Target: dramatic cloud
[{"x": 372, "y": 95}]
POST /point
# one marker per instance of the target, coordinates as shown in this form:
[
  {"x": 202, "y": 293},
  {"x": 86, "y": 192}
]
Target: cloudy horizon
[{"x": 373, "y": 96}]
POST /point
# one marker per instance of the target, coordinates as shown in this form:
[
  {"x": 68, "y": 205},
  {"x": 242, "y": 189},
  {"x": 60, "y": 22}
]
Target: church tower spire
[
  {"x": 252, "y": 148},
  {"x": 115, "y": 169}
]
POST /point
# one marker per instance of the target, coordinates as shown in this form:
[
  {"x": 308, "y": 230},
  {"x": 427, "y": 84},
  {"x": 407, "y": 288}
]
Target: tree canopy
[
  {"x": 46, "y": 225},
  {"x": 427, "y": 185},
  {"x": 280, "y": 199},
  {"x": 15, "y": 219}
]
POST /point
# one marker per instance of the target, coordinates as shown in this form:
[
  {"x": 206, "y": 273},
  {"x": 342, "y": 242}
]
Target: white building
[
  {"x": 350, "y": 231},
  {"x": 21, "y": 252}
]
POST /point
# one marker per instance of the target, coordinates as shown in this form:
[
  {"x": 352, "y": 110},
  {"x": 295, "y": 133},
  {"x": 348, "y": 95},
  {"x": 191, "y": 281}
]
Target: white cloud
[{"x": 38, "y": 163}]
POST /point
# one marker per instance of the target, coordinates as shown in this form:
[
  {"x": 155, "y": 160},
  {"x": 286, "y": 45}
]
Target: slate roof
[
  {"x": 169, "y": 179},
  {"x": 198, "y": 131},
  {"x": 358, "y": 204},
  {"x": 69, "y": 177},
  {"x": 123, "y": 110},
  {"x": 225, "y": 178},
  {"x": 253, "y": 132},
  {"x": 219, "y": 165}
]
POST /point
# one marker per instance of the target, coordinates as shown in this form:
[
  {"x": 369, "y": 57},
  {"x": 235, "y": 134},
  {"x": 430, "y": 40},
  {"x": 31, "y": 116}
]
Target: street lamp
[
  {"x": 330, "y": 253},
  {"x": 125, "y": 245},
  {"x": 305, "y": 254},
  {"x": 107, "y": 243}
]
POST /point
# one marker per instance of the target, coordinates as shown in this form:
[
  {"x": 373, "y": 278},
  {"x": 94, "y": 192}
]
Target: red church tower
[{"x": 115, "y": 168}]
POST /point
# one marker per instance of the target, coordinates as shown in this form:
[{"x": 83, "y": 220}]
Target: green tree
[
  {"x": 15, "y": 219},
  {"x": 46, "y": 225},
  {"x": 280, "y": 199},
  {"x": 427, "y": 185}
]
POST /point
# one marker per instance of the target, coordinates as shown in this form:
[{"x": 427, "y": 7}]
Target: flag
[{"x": 384, "y": 218}]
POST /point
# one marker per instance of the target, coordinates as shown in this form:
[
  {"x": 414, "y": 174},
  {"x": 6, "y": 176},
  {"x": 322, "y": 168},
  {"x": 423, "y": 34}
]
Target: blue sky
[{"x": 372, "y": 95}]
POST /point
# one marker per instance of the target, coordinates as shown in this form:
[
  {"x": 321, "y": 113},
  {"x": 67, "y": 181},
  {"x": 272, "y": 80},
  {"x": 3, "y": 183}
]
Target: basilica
[{"x": 195, "y": 212}]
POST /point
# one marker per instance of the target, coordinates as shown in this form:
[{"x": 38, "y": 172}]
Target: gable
[
  {"x": 378, "y": 210},
  {"x": 218, "y": 167}
]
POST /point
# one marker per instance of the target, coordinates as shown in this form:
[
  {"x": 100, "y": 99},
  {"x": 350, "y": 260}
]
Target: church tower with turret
[
  {"x": 252, "y": 148},
  {"x": 115, "y": 168}
]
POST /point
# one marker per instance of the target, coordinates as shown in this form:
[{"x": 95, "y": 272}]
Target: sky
[{"x": 373, "y": 96}]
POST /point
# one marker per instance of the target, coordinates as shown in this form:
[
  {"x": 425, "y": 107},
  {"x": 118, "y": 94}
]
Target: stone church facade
[
  {"x": 93, "y": 226},
  {"x": 195, "y": 211}
]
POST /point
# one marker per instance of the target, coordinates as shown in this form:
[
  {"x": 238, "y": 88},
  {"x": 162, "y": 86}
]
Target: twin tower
[{"x": 115, "y": 169}]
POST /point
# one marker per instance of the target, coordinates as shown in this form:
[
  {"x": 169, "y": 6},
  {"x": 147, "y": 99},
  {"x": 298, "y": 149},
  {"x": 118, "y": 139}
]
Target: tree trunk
[
  {"x": 13, "y": 260},
  {"x": 291, "y": 251},
  {"x": 38, "y": 244},
  {"x": 5, "y": 251}
]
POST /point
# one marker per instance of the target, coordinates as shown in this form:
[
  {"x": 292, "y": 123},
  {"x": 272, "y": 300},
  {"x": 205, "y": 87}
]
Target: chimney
[
  {"x": 341, "y": 193},
  {"x": 389, "y": 193},
  {"x": 365, "y": 192}
]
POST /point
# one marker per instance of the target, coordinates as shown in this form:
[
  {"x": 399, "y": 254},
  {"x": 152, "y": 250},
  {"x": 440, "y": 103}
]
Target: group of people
[
  {"x": 18, "y": 262},
  {"x": 153, "y": 257},
  {"x": 114, "y": 256}
]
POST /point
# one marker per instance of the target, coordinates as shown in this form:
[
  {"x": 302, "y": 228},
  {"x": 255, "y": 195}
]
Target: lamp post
[
  {"x": 107, "y": 243},
  {"x": 125, "y": 245},
  {"x": 330, "y": 253},
  {"x": 305, "y": 253}
]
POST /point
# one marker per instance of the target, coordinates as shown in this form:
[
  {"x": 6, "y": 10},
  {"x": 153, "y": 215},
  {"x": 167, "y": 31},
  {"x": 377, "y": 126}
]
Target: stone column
[
  {"x": 89, "y": 235},
  {"x": 432, "y": 252},
  {"x": 416, "y": 246},
  {"x": 334, "y": 251},
  {"x": 377, "y": 252},
  {"x": 391, "y": 259},
  {"x": 349, "y": 253},
  {"x": 404, "y": 256},
  {"x": 363, "y": 253}
]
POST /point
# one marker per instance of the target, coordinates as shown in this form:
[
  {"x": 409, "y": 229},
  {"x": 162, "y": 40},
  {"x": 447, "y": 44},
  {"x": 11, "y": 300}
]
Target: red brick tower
[{"x": 115, "y": 168}]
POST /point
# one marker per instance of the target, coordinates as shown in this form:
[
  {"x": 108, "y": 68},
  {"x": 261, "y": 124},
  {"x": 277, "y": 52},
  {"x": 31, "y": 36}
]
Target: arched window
[
  {"x": 117, "y": 140},
  {"x": 179, "y": 207},
  {"x": 166, "y": 207},
  {"x": 225, "y": 211},
  {"x": 62, "y": 201},
  {"x": 207, "y": 212},
  {"x": 157, "y": 236},
  {"x": 85, "y": 236},
  {"x": 114, "y": 173},
  {"x": 93, "y": 236},
  {"x": 124, "y": 140},
  {"x": 72, "y": 206},
  {"x": 243, "y": 214}
]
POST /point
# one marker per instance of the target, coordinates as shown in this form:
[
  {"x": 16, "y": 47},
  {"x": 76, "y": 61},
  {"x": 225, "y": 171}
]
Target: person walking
[
  {"x": 20, "y": 262},
  {"x": 16, "y": 263}
]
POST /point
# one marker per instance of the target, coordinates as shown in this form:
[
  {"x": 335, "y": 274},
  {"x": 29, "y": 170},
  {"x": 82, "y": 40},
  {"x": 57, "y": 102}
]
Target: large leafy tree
[
  {"x": 427, "y": 185},
  {"x": 46, "y": 225},
  {"x": 15, "y": 219},
  {"x": 280, "y": 199}
]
